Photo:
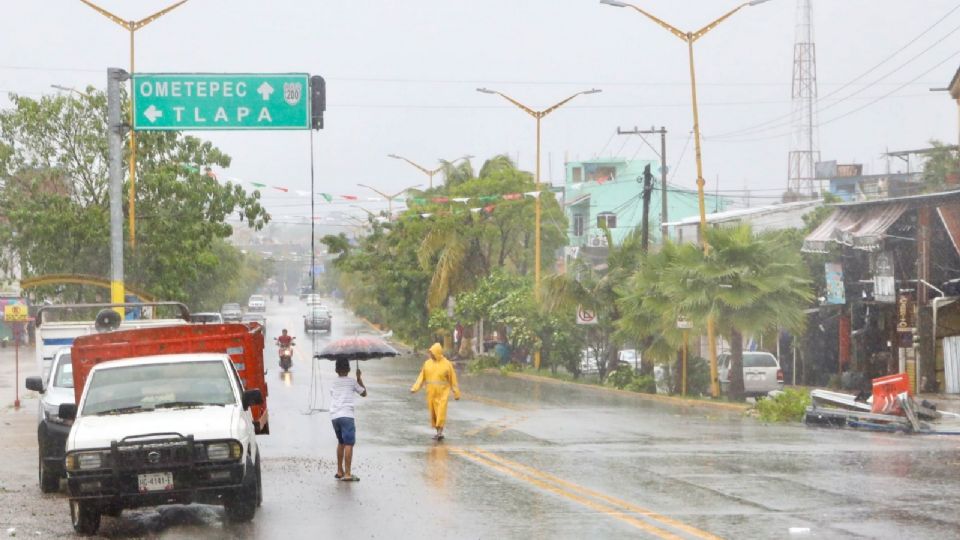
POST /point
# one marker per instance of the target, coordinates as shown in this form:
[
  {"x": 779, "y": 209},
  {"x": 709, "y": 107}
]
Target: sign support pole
[
  {"x": 16, "y": 380},
  {"x": 313, "y": 226},
  {"x": 115, "y": 133}
]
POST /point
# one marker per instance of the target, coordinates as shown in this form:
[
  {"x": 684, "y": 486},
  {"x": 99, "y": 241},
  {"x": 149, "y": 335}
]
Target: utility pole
[
  {"x": 647, "y": 190},
  {"x": 116, "y": 131},
  {"x": 663, "y": 163}
]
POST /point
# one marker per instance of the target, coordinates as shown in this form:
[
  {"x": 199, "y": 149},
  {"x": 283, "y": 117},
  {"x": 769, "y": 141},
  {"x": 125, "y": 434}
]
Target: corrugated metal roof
[
  {"x": 862, "y": 227},
  {"x": 950, "y": 215},
  {"x": 720, "y": 217}
]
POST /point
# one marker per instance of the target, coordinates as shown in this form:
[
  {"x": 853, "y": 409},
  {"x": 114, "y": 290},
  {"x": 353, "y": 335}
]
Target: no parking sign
[{"x": 586, "y": 316}]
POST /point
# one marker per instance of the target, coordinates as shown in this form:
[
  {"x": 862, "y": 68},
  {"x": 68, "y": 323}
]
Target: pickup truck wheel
[
  {"x": 49, "y": 481},
  {"x": 85, "y": 517},
  {"x": 240, "y": 507}
]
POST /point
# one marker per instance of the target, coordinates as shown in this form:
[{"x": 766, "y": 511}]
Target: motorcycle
[
  {"x": 280, "y": 299},
  {"x": 286, "y": 355}
]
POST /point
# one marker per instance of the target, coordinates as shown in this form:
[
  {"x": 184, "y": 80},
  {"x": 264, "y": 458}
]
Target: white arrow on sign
[
  {"x": 152, "y": 113},
  {"x": 265, "y": 90}
]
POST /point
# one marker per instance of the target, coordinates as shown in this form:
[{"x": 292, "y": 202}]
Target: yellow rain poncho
[{"x": 438, "y": 374}]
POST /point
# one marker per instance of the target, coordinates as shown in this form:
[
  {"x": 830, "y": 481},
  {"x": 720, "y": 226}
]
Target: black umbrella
[{"x": 357, "y": 348}]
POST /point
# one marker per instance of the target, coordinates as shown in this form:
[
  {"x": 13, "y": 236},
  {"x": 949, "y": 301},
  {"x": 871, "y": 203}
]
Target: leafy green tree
[
  {"x": 53, "y": 164},
  {"x": 942, "y": 166}
]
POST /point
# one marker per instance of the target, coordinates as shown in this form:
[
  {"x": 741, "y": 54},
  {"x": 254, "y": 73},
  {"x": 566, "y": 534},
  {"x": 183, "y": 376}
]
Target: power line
[{"x": 757, "y": 127}]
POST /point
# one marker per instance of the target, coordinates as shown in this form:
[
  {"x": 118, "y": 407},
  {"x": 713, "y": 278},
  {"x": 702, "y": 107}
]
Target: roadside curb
[{"x": 672, "y": 400}]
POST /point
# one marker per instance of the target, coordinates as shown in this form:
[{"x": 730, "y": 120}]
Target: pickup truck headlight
[
  {"x": 224, "y": 451},
  {"x": 85, "y": 461}
]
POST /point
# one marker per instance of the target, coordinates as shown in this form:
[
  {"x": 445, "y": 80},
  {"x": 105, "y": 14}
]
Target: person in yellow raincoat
[{"x": 439, "y": 376}]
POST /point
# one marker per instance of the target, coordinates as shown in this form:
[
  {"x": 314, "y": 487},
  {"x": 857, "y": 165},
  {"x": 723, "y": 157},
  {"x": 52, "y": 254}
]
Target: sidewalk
[
  {"x": 28, "y": 367},
  {"x": 944, "y": 402}
]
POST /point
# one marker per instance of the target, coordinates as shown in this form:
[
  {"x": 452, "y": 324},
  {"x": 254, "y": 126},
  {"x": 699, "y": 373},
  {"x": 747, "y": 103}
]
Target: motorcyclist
[{"x": 284, "y": 340}]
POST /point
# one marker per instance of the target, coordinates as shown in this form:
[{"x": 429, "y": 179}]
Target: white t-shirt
[{"x": 342, "y": 397}]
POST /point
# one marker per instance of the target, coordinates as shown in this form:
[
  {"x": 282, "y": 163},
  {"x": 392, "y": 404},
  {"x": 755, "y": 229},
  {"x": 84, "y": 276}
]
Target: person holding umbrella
[
  {"x": 439, "y": 376},
  {"x": 341, "y": 415}
]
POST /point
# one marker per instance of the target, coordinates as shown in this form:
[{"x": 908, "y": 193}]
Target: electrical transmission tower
[{"x": 803, "y": 147}]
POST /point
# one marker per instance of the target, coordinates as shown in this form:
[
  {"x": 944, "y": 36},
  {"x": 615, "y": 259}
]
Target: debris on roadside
[{"x": 891, "y": 408}]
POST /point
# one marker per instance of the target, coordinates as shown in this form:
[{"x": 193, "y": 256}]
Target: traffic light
[{"x": 318, "y": 101}]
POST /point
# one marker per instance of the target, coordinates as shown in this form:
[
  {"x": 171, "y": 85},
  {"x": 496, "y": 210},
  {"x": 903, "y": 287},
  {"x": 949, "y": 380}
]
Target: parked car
[
  {"x": 630, "y": 357},
  {"x": 257, "y": 302},
  {"x": 588, "y": 361},
  {"x": 258, "y": 318},
  {"x": 208, "y": 317},
  {"x": 231, "y": 312},
  {"x": 52, "y": 430},
  {"x": 317, "y": 319},
  {"x": 761, "y": 373}
]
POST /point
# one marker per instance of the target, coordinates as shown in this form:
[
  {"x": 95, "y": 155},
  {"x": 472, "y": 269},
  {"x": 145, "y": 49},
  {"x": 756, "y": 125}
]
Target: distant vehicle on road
[
  {"x": 207, "y": 317},
  {"x": 52, "y": 431},
  {"x": 257, "y": 302},
  {"x": 761, "y": 373},
  {"x": 317, "y": 319},
  {"x": 304, "y": 291},
  {"x": 313, "y": 299},
  {"x": 231, "y": 312}
]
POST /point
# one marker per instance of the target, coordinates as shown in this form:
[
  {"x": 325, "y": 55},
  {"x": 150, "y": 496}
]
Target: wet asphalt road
[{"x": 525, "y": 459}]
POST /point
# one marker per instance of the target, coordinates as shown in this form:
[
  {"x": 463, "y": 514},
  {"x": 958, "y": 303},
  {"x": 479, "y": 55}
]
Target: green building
[{"x": 610, "y": 192}]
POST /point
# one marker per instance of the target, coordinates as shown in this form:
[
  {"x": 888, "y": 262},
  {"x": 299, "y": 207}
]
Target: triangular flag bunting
[
  {"x": 326, "y": 196},
  {"x": 258, "y": 185},
  {"x": 349, "y": 197},
  {"x": 534, "y": 194},
  {"x": 512, "y": 197},
  {"x": 461, "y": 199},
  {"x": 302, "y": 193},
  {"x": 283, "y": 189}
]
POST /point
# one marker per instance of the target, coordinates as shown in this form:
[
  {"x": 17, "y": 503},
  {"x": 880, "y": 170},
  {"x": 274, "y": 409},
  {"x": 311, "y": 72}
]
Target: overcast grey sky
[{"x": 401, "y": 78}]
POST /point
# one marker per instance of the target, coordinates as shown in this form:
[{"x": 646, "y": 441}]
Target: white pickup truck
[{"x": 151, "y": 428}]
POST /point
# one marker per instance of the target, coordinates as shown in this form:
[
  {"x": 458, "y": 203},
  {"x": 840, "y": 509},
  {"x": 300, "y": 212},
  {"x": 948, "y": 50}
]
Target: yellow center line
[
  {"x": 679, "y": 525},
  {"x": 599, "y": 507}
]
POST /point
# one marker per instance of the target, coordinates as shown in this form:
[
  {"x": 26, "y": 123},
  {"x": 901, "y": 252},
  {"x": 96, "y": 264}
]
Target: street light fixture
[
  {"x": 538, "y": 115},
  {"x": 132, "y": 27},
  {"x": 389, "y": 197},
  {"x": 689, "y": 38},
  {"x": 69, "y": 89},
  {"x": 429, "y": 172}
]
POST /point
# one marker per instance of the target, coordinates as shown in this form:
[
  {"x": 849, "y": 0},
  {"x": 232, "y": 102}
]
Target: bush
[
  {"x": 483, "y": 362},
  {"x": 643, "y": 383},
  {"x": 789, "y": 406},
  {"x": 621, "y": 377}
]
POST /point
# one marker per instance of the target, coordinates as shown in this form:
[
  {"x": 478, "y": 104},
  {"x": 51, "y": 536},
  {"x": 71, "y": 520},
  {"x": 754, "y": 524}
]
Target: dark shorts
[{"x": 346, "y": 430}]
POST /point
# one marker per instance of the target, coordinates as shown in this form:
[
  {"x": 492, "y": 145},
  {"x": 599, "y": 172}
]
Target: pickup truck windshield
[
  {"x": 64, "y": 376},
  {"x": 151, "y": 386}
]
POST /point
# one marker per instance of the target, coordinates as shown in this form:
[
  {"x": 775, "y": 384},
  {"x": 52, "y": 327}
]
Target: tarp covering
[{"x": 858, "y": 227}]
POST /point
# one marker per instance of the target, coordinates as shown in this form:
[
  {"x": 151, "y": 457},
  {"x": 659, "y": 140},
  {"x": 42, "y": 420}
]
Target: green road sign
[{"x": 209, "y": 101}]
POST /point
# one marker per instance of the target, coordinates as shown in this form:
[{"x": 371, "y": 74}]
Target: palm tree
[
  {"x": 746, "y": 283},
  {"x": 455, "y": 174},
  {"x": 497, "y": 164}
]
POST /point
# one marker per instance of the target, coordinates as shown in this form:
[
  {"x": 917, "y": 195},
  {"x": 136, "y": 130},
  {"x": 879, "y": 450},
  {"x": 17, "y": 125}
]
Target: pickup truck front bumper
[{"x": 195, "y": 479}]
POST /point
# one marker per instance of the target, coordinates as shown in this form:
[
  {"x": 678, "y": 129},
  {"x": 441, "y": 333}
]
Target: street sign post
[
  {"x": 16, "y": 315},
  {"x": 221, "y": 101}
]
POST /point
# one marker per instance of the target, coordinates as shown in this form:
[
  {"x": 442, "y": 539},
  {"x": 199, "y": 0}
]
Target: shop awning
[{"x": 860, "y": 227}]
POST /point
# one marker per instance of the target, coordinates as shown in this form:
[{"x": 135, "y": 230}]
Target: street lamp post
[
  {"x": 132, "y": 26},
  {"x": 429, "y": 172},
  {"x": 389, "y": 197},
  {"x": 689, "y": 38},
  {"x": 538, "y": 115}
]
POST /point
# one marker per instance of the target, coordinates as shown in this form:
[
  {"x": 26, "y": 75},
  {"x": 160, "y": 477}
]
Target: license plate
[
  {"x": 754, "y": 377},
  {"x": 155, "y": 481}
]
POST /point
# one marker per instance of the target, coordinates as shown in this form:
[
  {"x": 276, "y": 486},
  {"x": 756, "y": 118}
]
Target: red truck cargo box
[{"x": 243, "y": 342}]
